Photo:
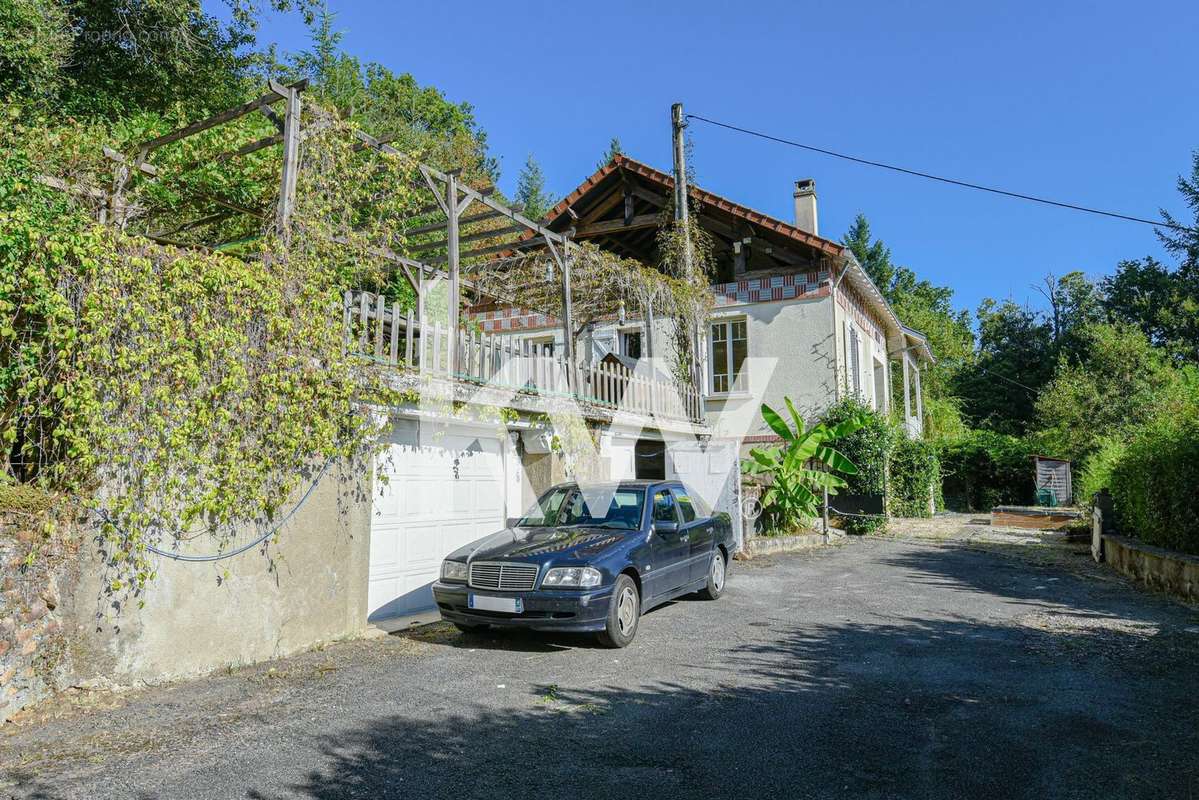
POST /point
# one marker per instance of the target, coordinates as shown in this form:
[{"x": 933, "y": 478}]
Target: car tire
[
  {"x": 624, "y": 614},
  {"x": 718, "y": 570},
  {"x": 468, "y": 628}
]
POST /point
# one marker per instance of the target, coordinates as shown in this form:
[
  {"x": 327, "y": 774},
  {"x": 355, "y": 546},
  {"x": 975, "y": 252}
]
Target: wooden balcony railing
[{"x": 381, "y": 330}]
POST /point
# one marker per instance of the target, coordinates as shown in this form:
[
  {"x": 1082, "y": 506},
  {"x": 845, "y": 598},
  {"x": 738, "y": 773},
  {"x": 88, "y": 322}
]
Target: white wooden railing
[{"x": 381, "y": 330}]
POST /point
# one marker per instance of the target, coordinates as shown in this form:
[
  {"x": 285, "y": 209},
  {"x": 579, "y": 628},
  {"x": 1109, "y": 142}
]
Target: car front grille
[{"x": 504, "y": 577}]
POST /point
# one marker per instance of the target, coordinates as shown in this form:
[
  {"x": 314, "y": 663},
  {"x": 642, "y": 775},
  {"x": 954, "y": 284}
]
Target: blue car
[{"x": 589, "y": 559}]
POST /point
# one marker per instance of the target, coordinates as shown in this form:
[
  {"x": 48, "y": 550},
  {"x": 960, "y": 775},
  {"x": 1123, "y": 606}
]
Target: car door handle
[
  {"x": 685, "y": 538},
  {"x": 708, "y": 529}
]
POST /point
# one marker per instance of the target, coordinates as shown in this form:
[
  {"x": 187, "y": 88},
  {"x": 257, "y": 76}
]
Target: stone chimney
[{"x": 805, "y": 206}]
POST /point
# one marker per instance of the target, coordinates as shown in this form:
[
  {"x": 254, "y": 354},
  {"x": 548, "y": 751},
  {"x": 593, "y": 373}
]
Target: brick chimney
[{"x": 805, "y": 206}]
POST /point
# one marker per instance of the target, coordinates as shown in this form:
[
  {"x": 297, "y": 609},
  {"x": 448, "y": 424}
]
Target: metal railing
[{"x": 383, "y": 331}]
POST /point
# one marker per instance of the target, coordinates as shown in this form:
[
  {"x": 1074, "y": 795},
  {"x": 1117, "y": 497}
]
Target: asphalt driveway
[{"x": 881, "y": 668}]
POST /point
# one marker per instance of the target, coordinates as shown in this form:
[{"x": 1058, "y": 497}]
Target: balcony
[{"x": 504, "y": 366}]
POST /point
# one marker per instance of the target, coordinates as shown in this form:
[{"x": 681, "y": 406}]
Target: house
[
  {"x": 794, "y": 314},
  {"x": 491, "y": 387}
]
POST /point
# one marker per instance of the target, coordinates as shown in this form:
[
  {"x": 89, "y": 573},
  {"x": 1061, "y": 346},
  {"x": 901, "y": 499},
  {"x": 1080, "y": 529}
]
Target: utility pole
[{"x": 682, "y": 219}]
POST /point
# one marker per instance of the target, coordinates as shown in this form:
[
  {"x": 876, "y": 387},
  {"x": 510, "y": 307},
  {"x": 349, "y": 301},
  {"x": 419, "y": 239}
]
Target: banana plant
[{"x": 793, "y": 496}]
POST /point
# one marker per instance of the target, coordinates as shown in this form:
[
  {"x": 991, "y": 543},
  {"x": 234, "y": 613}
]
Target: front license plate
[{"x": 511, "y": 605}]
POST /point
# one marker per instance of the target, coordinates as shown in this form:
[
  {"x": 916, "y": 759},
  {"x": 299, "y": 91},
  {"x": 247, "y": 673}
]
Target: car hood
[{"x": 531, "y": 543}]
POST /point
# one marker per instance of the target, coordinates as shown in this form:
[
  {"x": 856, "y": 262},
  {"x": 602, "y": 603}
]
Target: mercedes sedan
[{"x": 589, "y": 559}]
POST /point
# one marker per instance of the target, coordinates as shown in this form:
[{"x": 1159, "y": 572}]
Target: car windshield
[{"x": 569, "y": 507}]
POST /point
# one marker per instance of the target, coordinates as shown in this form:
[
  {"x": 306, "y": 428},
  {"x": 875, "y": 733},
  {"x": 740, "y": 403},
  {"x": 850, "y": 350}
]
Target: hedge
[
  {"x": 985, "y": 469},
  {"x": 915, "y": 475},
  {"x": 1155, "y": 484},
  {"x": 868, "y": 448}
]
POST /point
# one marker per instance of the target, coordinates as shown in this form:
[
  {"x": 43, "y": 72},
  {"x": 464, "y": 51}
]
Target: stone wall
[
  {"x": 1159, "y": 569},
  {"x": 34, "y": 656}
]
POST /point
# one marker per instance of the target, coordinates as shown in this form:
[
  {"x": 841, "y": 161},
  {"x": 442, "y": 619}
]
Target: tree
[
  {"x": 1164, "y": 302},
  {"x": 874, "y": 256},
  {"x": 928, "y": 309},
  {"x": 530, "y": 190},
  {"x": 1015, "y": 358},
  {"x": 1075, "y": 303},
  {"x": 1119, "y": 381},
  {"x": 413, "y": 118},
  {"x": 614, "y": 149}
]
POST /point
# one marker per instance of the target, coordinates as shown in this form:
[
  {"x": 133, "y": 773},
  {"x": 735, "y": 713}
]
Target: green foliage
[
  {"x": 393, "y": 107},
  {"x": 914, "y": 477},
  {"x": 795, "y": 490},
  {"x": 1119, "y": 381},
  {"x": 180, "y": 392},
  {"x": 984, "y": 469},
  {"x": 530, "y": 190},
  {"x": 1096, "y": 472},
  {"x": 35, "y": 43},
  {"x": 869, "y": 447},
  {"x": 928, "y": 309},
  {"x": 116, "y": 57},
  {"x": 614, "y": 149},
  {"x": 1153, "y": 485},
  {"x": 1015, "y": 358}
]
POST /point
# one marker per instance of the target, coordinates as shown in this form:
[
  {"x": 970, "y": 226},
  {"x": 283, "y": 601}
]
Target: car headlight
[
  {"x": 453, "y": 571},
  {"x": 572, "y": 577}
]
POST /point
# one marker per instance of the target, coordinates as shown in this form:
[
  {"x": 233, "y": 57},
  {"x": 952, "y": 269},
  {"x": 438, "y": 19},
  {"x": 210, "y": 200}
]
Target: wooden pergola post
[
  {"x": 452, "y": 262},
  {"x": 291, "y": 157}
]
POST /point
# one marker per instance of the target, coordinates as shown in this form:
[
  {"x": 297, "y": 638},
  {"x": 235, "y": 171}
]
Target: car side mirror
[{"x": 662, "y": 526}]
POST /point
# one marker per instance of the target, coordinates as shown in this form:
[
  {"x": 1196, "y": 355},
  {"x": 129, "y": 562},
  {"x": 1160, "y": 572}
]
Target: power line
[{"x": 951, "y": 181}]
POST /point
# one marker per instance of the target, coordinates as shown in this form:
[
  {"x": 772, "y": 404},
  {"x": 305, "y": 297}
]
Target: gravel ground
[{"x": 936, "y": 666}]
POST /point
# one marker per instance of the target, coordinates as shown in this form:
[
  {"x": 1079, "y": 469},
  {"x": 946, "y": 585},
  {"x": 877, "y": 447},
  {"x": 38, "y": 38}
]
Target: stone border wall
[
  {"x": 34, "y": 656},
  {"x": 1156, "y": 568}
]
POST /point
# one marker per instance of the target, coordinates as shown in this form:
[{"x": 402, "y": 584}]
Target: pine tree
[
  {"x": 530, "y": 190},
  {"x": 875, "y": 257}
]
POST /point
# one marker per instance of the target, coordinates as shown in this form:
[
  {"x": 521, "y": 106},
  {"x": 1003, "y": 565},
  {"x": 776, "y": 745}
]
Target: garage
[{"x": 445, "y": 486}]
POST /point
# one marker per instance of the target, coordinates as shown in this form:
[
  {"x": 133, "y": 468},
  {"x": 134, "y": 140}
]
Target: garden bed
[{"x": 1034, "y": 517}]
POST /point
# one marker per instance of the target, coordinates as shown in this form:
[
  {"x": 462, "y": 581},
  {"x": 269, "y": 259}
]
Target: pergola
[
  {"x": 459, "y": 232},
  {"x": 461, "y": 225}
]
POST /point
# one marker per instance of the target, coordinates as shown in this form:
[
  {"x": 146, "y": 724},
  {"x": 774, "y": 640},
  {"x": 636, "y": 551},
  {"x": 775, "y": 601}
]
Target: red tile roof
[{"x": 703, "y": 196}]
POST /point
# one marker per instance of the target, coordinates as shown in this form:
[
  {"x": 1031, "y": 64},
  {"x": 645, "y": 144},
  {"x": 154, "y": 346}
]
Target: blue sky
[{"x": 1087, "y": 102}]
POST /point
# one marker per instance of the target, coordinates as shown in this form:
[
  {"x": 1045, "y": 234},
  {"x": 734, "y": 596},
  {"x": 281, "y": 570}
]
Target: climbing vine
[{"x": 182, "y": 394}]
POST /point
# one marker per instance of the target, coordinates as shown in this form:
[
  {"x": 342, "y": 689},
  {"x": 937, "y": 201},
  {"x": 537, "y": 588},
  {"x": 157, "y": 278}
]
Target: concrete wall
[
  {"x": 1159, "y": 569},
  {"x": 196, "y": 618},
  {"x": 798, "y": 335}
]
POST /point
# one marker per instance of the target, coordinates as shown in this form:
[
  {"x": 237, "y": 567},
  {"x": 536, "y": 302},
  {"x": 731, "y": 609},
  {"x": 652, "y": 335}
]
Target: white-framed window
[
  {"x": 543, "y": 346},
  {"x": 728, "y": 347},
  {"x": 630, "y": 343}
]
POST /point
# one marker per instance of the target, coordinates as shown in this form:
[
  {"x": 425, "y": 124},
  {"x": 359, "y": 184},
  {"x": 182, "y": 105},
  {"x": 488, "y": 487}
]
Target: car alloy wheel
[
  {"x": 718, "y": 571},
  {"x": 626, "y": 611},
  {"x": 624, "y": 614}
]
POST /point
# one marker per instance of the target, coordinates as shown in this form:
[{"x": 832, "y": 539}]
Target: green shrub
[
  {"x": 1096, "y": 472},
  {"x": 985, "y": 469},
  {"x": 1154, "y": 485},
  {"x": 869, "y": 448},
  {"x": 915, "y": 475}
]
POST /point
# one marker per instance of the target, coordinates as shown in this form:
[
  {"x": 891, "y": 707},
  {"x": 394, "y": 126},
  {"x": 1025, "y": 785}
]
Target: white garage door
[{"x": 440, "y": 495}]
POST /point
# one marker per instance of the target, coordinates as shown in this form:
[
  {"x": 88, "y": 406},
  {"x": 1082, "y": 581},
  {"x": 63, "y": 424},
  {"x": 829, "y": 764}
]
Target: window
[
  {"x": 630, "y": 344},
  {"x": 542, "y": 347},
  {"x": 855, "y": 361},
  {"x": 685, "y": 507},
  {"x": 729, "y": 347},
  {"x": 623, "y": 512},
  {"x": 545, "y": 510},
  {"x": 664, "y": 510}
]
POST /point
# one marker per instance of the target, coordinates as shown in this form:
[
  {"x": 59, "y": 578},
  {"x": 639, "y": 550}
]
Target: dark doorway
[{"x": 650, "y": 459}]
